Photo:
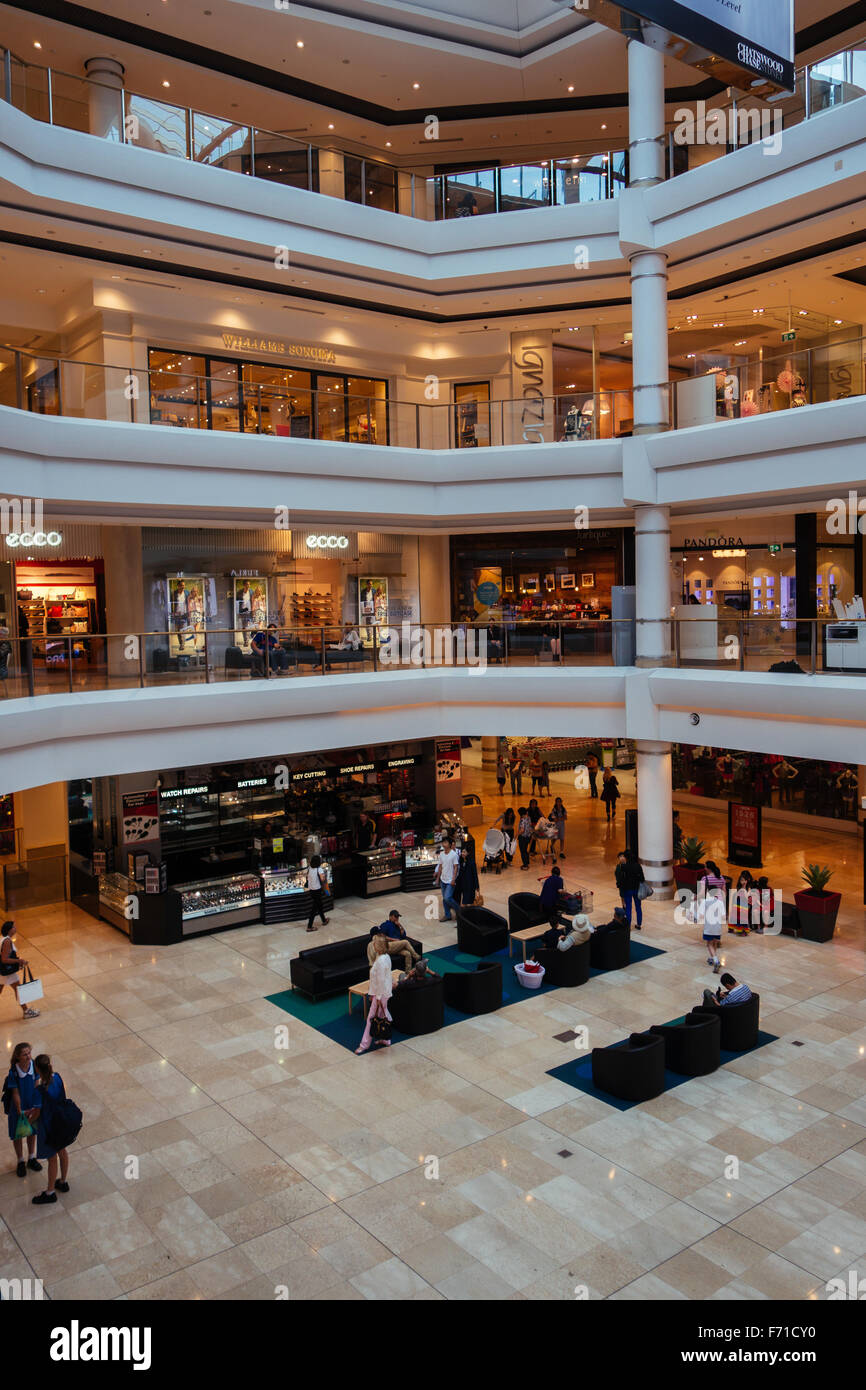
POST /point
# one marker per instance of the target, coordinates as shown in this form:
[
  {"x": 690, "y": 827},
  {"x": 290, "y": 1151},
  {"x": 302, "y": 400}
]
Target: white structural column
[
  {"x": 655, "y": 816},
  {"x": 652, "y": 549},
  {"x": 649, "y": 288},
  {"x": 105, "y": 100}
]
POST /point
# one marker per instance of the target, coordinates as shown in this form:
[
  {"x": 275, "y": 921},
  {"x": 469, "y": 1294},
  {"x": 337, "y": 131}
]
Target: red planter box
[
  {"x": 818, "y": 913},
  {"x": 686, "y": 877}
]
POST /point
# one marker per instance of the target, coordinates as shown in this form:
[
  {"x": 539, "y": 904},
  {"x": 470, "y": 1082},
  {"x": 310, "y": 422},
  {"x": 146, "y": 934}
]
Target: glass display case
[
  {"x": 230, "y": 900},
  {"x": 419, "y": 866},
  {"x": 381, "y": 870},
  {"x": 188, "y": 822},
  {"x": 114, "y": 893},
  {"x": 283, "y": 883},
  {"x": 285, "y": 897}
]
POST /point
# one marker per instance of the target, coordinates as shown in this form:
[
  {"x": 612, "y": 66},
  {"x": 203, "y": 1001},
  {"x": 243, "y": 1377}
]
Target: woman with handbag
[
  {"x": 10, "y": 967},
  {"x": 50, "y": 1094},
  {"x": 317, "y": 882},
  {"x": 466, "y": 891},
  {"x": 378, "y": 1017},
  {"x": 19, "y": 1095}
]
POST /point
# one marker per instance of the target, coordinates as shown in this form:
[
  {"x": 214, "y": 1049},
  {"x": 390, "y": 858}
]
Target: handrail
[
  {"x": 192, "y": 651},
  {"x": 49, "y": 383},
  {"x": 314, "y": 171}
]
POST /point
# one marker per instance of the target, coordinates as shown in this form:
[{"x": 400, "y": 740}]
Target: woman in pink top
[{"x": 380, "y": 992}]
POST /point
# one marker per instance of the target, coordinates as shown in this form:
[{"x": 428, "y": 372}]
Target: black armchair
[
  {"x": 524, "y": 910},
  {"x": 610, "y": 950},
  {"x": 417, "y": 1009},
  {"x": 631, "y": 1070},
  {"x": 477, "y": 991},
  {"x": 567, "y": 968},
  {"x": 740, "y": 1023},
  {"x": 480, "y": 932},
  {"x": 236, "y": 660},
  {"x": 692, "y": 1047}
]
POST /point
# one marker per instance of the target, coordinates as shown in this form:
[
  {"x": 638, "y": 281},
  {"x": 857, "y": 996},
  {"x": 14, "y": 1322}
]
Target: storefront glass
[
  {"x": 759, "y": 779},
  {"x": 472, "y": 414},
  {"x": 531, "y": 577},
  {"x": 201, "y": 392}
]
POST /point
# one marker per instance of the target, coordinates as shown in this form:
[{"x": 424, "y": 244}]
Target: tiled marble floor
[{"x": 310, "y": 1168}]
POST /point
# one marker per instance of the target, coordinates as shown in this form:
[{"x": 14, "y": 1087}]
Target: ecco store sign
[
  {"x": 33, "y": 539},
  {"x": 327, "y": 542}
]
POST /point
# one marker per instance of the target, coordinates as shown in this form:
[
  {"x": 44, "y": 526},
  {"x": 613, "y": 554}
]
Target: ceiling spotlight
[
  {"x": 330, "y": 127},
  {"x": 387, "y": 144},
  {"x": 36, "y": 43},
  {"x": 299, "y": 43},
  {"x": 604, "y": 127},
  {"x": 571, "y": 89},
  {"x": 415, "y": 86},
  {"x": 166, "y": 83}
]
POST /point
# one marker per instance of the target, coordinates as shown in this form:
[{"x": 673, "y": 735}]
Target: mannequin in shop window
[
  {"x": 847, "y": 786},
  {"x": 571, "y": 426},
  {"x": 586, "y": 428}
]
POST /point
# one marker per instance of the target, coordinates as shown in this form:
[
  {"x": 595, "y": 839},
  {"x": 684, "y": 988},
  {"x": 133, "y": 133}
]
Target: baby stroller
[{"x": 494, "y": 851}]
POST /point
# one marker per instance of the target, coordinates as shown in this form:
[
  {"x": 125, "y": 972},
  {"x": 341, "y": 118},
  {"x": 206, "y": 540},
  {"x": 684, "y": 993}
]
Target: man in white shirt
[
  {"x": 447, "y": 864},
  {"x": 350, "y": 641}
]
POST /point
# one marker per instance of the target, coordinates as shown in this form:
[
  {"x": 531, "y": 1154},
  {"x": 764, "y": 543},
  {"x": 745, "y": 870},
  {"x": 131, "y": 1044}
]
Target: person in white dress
[{"x": 380, "y": 993}]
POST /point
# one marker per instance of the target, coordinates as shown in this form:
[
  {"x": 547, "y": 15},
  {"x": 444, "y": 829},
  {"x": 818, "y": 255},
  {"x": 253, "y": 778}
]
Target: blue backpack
[{"x": 64, "y": 1123}]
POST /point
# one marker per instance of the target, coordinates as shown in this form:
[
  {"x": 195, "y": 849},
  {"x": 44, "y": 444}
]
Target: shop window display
[
  {"x": 186, "y": 606},
  {"x": 250, "y": 609},
  {"x": 789, "y": 784}
]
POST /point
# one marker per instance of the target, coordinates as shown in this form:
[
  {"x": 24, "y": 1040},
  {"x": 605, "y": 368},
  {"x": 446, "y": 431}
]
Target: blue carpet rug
[
  {"x": 579, "y": 1074},
  {"x": 332, "y": 1018}
]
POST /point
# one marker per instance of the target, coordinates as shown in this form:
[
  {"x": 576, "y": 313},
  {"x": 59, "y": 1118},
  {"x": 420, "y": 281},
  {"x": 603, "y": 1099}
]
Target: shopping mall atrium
[{"x": 495, "y": 546}]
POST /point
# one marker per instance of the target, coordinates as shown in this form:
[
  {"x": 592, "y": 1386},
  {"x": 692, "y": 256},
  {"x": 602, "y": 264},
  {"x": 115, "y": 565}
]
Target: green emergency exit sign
[{"x": 790, "y": 337}]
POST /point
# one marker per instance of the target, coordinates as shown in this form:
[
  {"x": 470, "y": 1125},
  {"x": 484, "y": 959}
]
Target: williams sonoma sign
[{"x": 242, "y": 342}]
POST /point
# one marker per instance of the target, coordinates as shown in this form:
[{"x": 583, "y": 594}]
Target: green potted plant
[
  {"x": 817, "y": 908},
  {"x": 689, "y": 873}
]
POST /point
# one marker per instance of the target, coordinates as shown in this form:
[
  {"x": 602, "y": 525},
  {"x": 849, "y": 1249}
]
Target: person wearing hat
[
  {"x": 617, "y": 922},
  {"x": 398, "y": 942}
]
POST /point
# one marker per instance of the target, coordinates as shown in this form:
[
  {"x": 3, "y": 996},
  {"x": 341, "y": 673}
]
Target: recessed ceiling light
[
  {"x": 387, "y": 144},
  {"x": 165, "y": 82},
  {"x": 604, "y": 127},
  {"x": 299, "y": 43},
  {"x": 36, "y": 43},
  {"x": 415, "y": 86},
  {"x": 330, "y": 127},
  {"x": 571, "y": 89}
]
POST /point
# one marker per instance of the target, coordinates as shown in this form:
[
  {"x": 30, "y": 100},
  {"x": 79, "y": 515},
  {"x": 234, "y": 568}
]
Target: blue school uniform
[
  {"x": 26, "y": 1088},
  {"x": 47, "y": 1098}
]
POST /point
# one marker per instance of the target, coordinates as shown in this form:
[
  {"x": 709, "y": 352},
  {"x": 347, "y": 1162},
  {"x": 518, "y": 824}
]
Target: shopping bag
[
  {"x": 24, "y": 1128},
  {"x": 644, "y": 891},
  {"x": 29, "y": 989}
]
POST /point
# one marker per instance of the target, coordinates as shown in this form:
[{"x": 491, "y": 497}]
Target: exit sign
[
  {"x": 774, "y": 549},
  {"x": 790, "y": 337}
]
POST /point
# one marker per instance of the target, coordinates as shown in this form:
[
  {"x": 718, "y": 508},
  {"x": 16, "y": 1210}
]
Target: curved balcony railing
[
  {"x": 85, "y": 104},
  {"x": 52, "y": 385},
  {"x": 191, "y": 652}
]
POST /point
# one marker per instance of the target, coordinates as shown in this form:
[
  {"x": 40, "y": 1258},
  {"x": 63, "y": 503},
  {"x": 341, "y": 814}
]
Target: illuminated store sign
[
  {"x": 713, "y": 542},
  {"x": 243, "y": 342},
  {"x": 357, "y": 767},
  {"x": 306, "y": 776},
  {"x": 33, "y": 539},
  {"x": 185, "y": 791},
  {"x": 327, "y": 542},
  {"x": 253, "y": 782}
]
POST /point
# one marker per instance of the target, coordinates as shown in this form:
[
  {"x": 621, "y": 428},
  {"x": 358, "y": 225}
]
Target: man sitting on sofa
[
  {"x": 729, "y": 992},
  {"x": 617, "y": 922},
  {"x": 420, "y": 974},
  {"x": 398, "y": 942},
  {"x": 267, "y": 651}
]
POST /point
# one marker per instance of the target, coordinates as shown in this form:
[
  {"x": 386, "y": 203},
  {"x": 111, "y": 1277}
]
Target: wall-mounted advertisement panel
[{"x": 755, "y": 37}]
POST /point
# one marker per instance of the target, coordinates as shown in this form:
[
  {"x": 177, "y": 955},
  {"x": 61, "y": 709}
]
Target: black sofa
[
  {"x": 610, "y": 950},
  {"x": 525, "y": 910},
  {"x": 417, "y": 1009},
  {"x": 480, "y": 932},
  {"x": 566, "y": 968},
  {"x": 692, "y": 1047},
  {"x": 322, "y": 970},
  {"x": 477, "y": 991},
  {"x": 631, "y": 1070},
  {"x": 740, "y": 1023}
]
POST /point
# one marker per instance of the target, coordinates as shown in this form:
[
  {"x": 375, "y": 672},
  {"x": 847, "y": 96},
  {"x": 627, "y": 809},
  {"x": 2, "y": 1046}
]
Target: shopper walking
[
  {"x": 741, "y": 905},
  {"x": 501, "y": 773},
  {"x": 524, "y": 835},
  {"x": 508, "y": 822},
  {"x": 50, "y": 1093},
  {"x": 317, "y": 882},
  {"x": 380, "y": 993},
  {"x": 515, "y": 770},
  {"x": 592, "y": 772},
  {"x": 447, "y": 865},
  {"x": 712, "y": 911},
  {"x": 629, "y": 877},
  {"x": 545, "y": 776},
  {"x": 11, "y": 965},
  {"x": 536, "y": 773},
  {"x": 466, "y": 885},
  {"x": 19, "y": 1096},
  {"x": 558, "y": 815},
  {"x": 609, "y": 793}
]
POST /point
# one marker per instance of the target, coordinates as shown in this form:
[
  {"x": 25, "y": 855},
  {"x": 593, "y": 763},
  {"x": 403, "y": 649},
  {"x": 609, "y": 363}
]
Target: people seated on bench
[
  {"x": 418, "y": 975},
  {"x": 395, "y": 934},
  {"x": 349, "y": 642},
  {"x": 729, "y": 992},
  {"x": 574, "y": 933},
  {"x": 268, "y": 655}
]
